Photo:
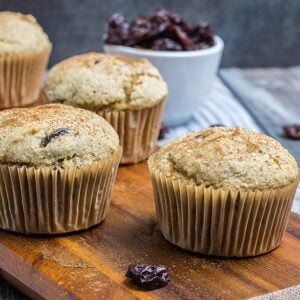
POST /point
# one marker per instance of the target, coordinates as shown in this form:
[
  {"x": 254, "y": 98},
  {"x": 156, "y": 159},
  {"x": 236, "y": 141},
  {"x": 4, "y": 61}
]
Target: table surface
[{"x": 269, "y": 98}]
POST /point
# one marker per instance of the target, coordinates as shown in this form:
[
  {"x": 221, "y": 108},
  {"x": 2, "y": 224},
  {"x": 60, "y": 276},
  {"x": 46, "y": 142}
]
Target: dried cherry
[
  {"x": 148, "y": 277},
  {"x": 53, "y": 136},
  {"x": 162, "y": 30},
  {"x": 164, "y": 129},
  {"x": 292, "y": 131}
]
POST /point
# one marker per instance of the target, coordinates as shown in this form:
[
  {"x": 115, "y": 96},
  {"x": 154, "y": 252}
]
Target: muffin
[
  {"x": 224, "y": 191},
  {"x": 128, "y": 93},
  {"x": 57, "y": 168},
  {"x": 24, "y": 54}
]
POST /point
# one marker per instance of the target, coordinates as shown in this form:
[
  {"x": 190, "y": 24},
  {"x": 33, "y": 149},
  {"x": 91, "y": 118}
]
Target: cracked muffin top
[
  {"x": 55, "y": 134},
  {"x": 21, "y": 33},
  {"x": 227, "y": 158},
  {"x": 99, "y": 81}
]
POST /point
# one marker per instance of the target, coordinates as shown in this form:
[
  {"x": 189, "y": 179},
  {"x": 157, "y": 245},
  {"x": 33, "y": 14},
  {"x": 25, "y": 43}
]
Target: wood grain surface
[{"x": 92, "y": 264}]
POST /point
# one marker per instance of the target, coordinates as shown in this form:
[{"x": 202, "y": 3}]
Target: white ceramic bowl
[{"x": 189, "y": 75}]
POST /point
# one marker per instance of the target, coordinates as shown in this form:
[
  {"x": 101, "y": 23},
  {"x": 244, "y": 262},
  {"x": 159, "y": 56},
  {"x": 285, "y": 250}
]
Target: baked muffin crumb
[
  {"x": 227, "y": 158},
  {"x": 21, "y": 33},
  {"x": 55, "y": 135},
  {"x": 98, "y": 81}
]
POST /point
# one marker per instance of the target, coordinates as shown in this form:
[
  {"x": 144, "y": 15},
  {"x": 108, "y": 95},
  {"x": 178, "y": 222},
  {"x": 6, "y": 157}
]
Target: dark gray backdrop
[{"x": 257, "y": 33}]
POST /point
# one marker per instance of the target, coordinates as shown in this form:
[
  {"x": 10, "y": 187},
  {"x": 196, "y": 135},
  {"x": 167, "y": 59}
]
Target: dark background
[{"x": 257, "y": 33}]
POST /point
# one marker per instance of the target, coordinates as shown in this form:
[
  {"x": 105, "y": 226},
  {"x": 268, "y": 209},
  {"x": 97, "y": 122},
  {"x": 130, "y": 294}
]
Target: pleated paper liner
[
  {"x": 227, "y": 223},
  {"x": 20, "y": 78},
  {"x": 44, "y": 200},
  {"x": 137, "y": 129}
]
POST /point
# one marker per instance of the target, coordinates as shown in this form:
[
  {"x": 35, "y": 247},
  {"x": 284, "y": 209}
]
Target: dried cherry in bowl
[{"x": 189, "y": 75}]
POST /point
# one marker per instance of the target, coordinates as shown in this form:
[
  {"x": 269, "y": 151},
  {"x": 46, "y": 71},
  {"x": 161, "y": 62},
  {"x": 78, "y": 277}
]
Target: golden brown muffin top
[
  {"x": 227, "y": 158},
  {"x": 21, "y": 33},
  {"x": 99, "y": 81},
  {"x": 55, "y": 134}
]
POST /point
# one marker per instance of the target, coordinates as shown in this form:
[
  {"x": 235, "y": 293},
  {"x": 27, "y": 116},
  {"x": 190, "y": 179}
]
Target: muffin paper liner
[
  {"x": 137, "y": 129},
  {"x": 45, "y": 200},
  {"x": 20, "y": 78},
  {"x": 221, "y": 222}
]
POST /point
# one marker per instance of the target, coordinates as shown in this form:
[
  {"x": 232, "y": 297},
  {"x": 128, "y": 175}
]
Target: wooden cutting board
[{"x": 92, "y": 264}]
